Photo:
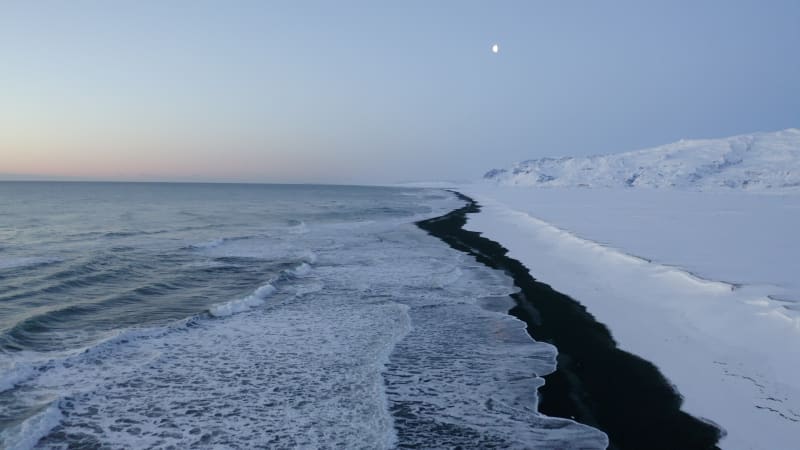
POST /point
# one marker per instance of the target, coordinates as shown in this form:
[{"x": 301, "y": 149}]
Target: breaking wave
[{"x": 243, "y": 304}]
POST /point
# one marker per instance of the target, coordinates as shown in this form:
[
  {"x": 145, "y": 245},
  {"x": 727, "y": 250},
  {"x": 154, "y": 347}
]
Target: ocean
[{"x": 148, "y": 315}]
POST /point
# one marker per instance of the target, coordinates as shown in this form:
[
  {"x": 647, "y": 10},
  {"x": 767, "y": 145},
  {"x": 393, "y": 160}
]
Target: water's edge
[{"x": 595, "y": 382}]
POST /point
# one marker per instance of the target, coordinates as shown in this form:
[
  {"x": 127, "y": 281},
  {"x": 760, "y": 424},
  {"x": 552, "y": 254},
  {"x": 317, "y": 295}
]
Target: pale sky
[{"x": 372, "y": 91}]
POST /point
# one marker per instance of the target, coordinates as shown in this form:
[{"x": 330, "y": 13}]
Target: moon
[{"x": 495, "y": 48}]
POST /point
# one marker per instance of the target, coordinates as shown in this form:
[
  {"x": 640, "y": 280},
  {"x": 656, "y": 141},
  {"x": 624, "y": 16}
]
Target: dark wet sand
[{"x": 595, "y": 383}]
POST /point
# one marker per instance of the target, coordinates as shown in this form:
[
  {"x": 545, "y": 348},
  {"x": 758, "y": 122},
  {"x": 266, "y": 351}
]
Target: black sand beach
[{"x": 595, "y": 383}]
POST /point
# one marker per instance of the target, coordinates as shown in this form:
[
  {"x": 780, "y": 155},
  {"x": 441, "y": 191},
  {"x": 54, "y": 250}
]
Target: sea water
[{"x": 240, "y": 316}]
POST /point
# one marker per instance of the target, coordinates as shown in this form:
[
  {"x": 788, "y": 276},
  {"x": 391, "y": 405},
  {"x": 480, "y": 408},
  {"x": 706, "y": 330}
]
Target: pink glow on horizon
[{"x": 152, "y": 163}]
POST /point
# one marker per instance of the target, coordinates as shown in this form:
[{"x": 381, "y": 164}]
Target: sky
[{"x": 378, "y": 92}]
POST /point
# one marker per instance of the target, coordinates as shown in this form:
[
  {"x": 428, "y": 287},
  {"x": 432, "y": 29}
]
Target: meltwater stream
[{"x": 241, "y": 316}]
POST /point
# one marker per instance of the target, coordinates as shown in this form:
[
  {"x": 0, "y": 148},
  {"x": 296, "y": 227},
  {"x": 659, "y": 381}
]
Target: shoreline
[{"x": 595, "y": 383}]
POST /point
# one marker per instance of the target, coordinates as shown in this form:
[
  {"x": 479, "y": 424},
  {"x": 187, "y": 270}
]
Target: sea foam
[
  {"x": 243, "y": 304},
  {"x": 26, "y": 435}
]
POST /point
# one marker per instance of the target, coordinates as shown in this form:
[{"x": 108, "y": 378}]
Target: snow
[
  {"x": 731, "y": 350},
  {"x": 741, "y": 238},
  {"x": 702, "y": 284},
  {"x": 688, "y": 252},
  {"x": 757, "y": 161}
]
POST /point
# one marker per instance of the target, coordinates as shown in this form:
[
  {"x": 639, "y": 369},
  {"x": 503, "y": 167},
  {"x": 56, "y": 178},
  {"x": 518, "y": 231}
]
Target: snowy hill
[{"x": 753, "y": 161}]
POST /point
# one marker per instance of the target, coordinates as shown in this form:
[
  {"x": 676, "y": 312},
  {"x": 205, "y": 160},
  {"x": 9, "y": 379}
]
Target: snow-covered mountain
[{"x": 751, "y": 161}]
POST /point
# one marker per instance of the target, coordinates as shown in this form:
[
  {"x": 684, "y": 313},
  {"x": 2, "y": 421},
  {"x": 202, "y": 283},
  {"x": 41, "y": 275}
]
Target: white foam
[
  {"x": 307, "y": 374},
  {"x": 209, "y": 244},
  {"x": 300, "y": 228},
  {"x": 18, "y": 371},
  {"x": 308, "y": 256},
  {"x": 21, "y": 366},
  {"x": 27, "y": 434},
  {"x": 243, "y": 304},
  {"x": 309, "y": 288},
  {"x": 301, "y": 270}
]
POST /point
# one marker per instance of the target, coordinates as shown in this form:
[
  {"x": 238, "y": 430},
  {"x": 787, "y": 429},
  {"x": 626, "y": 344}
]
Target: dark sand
[{"x": 595, "y": 383}]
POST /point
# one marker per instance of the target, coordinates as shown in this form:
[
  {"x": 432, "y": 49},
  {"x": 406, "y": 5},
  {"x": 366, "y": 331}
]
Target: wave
[
  {"x": 308, "y": 256},
  {"x": 121, "y": 234},
  {"x": 257, "y": 298},
  {"x": 39, "y": 328},
  {"x": 26, "y": 262},
  {"x": 87, "y": 272},
  {"x": 29, "y": 364},
  {"x": 305, "y": 289},
  {"x": 17, "y": 373},
  {"x": 299, "y": 229},
  {"x": 27, "y": 434},
  {"x": 39, "y": 331},
  {"x": 105, "y": 384},
  {"x": 299, "y": 271},
  {"x": 214, "y": 243},
  {"x": 208, "y": 244}
]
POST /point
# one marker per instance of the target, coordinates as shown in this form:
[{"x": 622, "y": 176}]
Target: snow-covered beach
[
  {"x": 592, "y": 381},
  {"x": 689, "y": 269}
]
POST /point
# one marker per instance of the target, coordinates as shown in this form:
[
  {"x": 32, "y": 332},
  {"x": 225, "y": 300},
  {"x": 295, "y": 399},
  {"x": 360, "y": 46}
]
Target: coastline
[{"x": 595, "y": 383}]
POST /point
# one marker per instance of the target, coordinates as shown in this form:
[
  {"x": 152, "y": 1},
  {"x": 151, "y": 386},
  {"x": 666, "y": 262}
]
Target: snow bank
[
  {"x": 742, "y": 238},
  {"x": 754, "y": 162},
  {"x": 731, "y": 348}
]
